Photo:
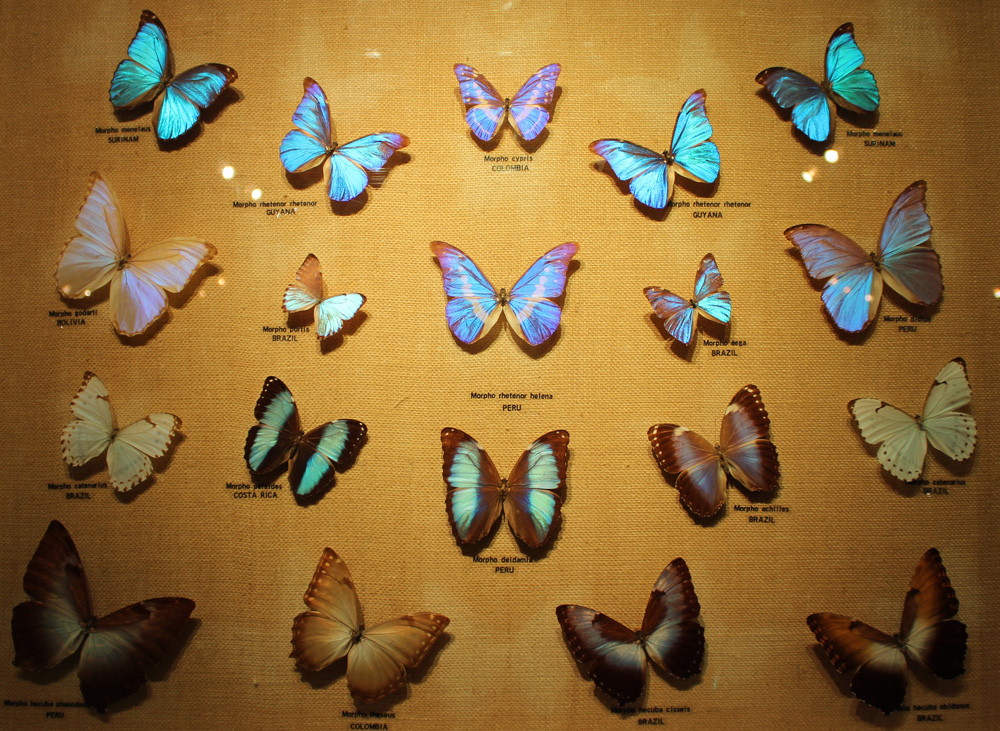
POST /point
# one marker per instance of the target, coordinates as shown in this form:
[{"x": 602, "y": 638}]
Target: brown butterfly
[
  {"x": 616, "y": 655},
  {"x": 59, "y": 621},
  {"x": 377, "y": 658},
  {"x": 927, "y": 634}
]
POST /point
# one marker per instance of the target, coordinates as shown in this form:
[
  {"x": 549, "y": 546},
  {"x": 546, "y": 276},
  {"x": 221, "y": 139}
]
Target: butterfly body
[{"x": 526, "y": 110}]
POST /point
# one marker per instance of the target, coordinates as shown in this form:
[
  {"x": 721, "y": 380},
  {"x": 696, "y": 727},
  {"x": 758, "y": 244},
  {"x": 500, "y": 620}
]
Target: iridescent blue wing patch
[
  {"x": 187, "y": 94},
  {"x": 695, "y": 156},
  {"x": 350, "y": 161},
  {"x": 535, "y": 316}
]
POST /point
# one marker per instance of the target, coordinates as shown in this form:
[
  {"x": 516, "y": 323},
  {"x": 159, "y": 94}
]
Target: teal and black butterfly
[
  {"x": 58, "y": 621},
  {"x": 530, "y": 497},
  {"x": 148, "y": 70},
  {"x": 846, "y": 85},
  {"x": 311, "y": 456}
]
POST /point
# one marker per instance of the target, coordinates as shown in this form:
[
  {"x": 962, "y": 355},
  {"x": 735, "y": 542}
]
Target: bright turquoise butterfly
[
  {"x": 651, "y": 173},
  {"x": 148, "y": 70},
  {"x": 846, "y": 84}
]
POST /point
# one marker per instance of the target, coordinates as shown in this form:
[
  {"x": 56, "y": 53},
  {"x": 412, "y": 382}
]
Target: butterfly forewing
[
  {"x": 751, "y": 457},
  {"x": 673, "y": 638},
  {"x": 473, "y": 501},
  {"x": 308, "y": 145},
  {"x": 613, "y": 652},
  {"x": 537, "y": 486}
]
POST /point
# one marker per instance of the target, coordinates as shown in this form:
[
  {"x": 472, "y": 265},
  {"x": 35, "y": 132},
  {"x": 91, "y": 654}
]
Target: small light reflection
[
  {"x": 868, "y": 298},
  {"x": 201, "y": 292},
  {"x": 372, "y": 53},
  {"x": 256, "y": 194},
  {"x": 996, "y": 293},
  {"x": 808, "y": 175},
  {"x": 831, "y": 155},
  {"x": 847, "y": 290},
  {"x": 228, "y": 172},
  {"x": 86, "y": 293},
  {"x": 222, "y": 282}
]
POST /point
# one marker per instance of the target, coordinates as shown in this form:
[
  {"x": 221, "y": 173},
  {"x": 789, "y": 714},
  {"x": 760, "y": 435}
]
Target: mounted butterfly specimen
[
  {"x": 306, "y": 292},
  {"x": 615, "y": 656},
  {"x": 904, "y": 438},
  {"x": 475, "y": 304},
  {"x": 531, "y": 496},
  {"x": 148, "y": 70},
  {"x": 311, "y": 144},
  {"x": 94, "y": 431},
  {"x": 139, "y": 282},
  {"x": 487, "y": 109},
  {"x": 928, "y": 637},
  {"x": 846, "y": 85},
  {"x": 312, "y": 456},
  {"x": 58, "y": 621},
  {"x": 709, "y": 301},
  {"x": 377, "y": 658},
  {"x": 745, "y": 454},
  {"x": 904, "y": 260},
  {"x": 691, "y": 155}
]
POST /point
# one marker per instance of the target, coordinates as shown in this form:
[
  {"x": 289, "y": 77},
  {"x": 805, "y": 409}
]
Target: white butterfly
[
  {"x": 904, "y": 438},
  {"x": 306, "y": 292},
  {"x": 95, "y": 429},
  {"x": 139, "y": 283}
]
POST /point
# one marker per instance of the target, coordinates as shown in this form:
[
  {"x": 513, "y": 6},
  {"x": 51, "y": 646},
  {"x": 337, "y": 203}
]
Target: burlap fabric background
[{"x": 850, "y": 538}]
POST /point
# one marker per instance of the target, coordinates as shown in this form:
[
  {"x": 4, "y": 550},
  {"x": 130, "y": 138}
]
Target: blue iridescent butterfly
[
  {"x": 530, "y": 497},
  {"x": 691, "y": 154},
  {"x": 487, "y": 109},
  {"x": 854, "y": 289},
  {"x": 148, "y": 70},
  {"x": 311, "y": 143},
  {"x": 476, "y": 304},
  {"x": 312, "y": 456},
  {"x": 846, "y": 85},
  {"x": 678, "y": 313}
]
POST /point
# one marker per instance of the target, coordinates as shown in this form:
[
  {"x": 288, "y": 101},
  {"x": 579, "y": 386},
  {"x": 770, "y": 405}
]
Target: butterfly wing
[
  {"x": 187, "y": 94},
  {"x": 675, "y": 311},
  {"x": 949, "y": 430},
  {"x": 611, "y": 651},
  {"x": 333, "y": 312},
  {"x": 927, "y": 629},
  {"x": 130, "y": 451},
  {"x": 329, "y": 447},
  {"x": 485, "y": 105},
  {"x": 908, "y": 266},
  {"x": 142, "y": 75},
  {"x": 308, "y": 145},
  {"x": 377, "y": 664},
  {"x": 851, "y": 87},
  {"x": 307, "y": 289},
  {"x": 349, "y": 162},
  {"x": 473, "y": 308},
  {"x": 694, "y": 155},
  {"x": 527, "y": 108},
  {"x": 750, "y": 456},
  {"x": 854, "y": 289},
  {"x": 701, "y": 480},
  {"x": 90, "y": 260},
  {"x": 473, "y": 500},
  {"x": 673, "y": 638},
  {"x": 709, "y": 298},
  {"x": 325, "y": 633},
  {"x": 90, "y": 432},
  {"x": 652, "y": 179},
  {"x": 537, "y": 486},
  {"x": 269, "y": 442},
  {"x": 535, "y": 315},
  {"x": 812, "y": 112}
]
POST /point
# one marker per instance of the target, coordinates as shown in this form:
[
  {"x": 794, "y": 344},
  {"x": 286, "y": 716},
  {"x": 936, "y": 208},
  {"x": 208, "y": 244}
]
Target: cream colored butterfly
[
  {"x": 904, "y": 438},
  {"x": 94, "y": 430},
  {"x": 306, "y": 292},
  {"x": 140, "y": 282}
]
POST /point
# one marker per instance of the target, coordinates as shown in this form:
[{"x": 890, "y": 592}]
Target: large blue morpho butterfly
[
  {"x": 476, "y": 305},
  {"x": 846, "y": 85},
  {"x": 312, "y": 455},
  {"x": 678, "y": 313},
  {"x": 487, "y": 108},
  {"x": 530, "y": 497},
  {"x": 311, "y": 143},
  {"x": 148, "y": 70},
  {"x": 691, "y": 154},
  {"x": 853, "y": 293}
]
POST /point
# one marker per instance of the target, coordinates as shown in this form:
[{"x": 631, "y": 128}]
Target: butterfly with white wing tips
[
  {"x": 139, "y": 282},
  {"x": 691, "y": 154},
  {"x": 487, "y": 109},
  {"x": 58, "y": 621},
  {"x": 531, "y": 496},
  {"x": 148, "y": 70},
  {"x": 904, "y": 438},
  {"x": 377, "y": 658},
  {"x": 928, "y": 636},
  {"x": 94, "y": 431},
  {"x": 709, "y": 301},
  {"x": 745, "y": 454},
  {"x": 904, "y": 260},
  {"x": 306, "y": 292},
  {"x": 615, "y": 655}
]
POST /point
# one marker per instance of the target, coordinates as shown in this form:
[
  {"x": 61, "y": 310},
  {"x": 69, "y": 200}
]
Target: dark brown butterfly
[
  {"x": 59, "y": 621},
  {"x": 927, "y": 634},
  {"x": 616, "y": 655}
]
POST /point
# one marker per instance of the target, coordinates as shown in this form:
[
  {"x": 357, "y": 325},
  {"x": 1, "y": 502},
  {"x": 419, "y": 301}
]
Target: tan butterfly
[{"x": 377, "y": 658}]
